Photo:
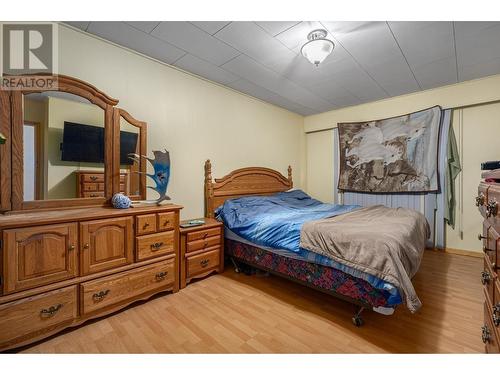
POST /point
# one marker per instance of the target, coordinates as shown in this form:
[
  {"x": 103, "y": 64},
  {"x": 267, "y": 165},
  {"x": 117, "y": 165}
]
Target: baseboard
[{"x": 469, "y": 253}]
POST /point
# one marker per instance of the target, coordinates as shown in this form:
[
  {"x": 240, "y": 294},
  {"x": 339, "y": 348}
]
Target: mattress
[{"x": 393, "y": 295}]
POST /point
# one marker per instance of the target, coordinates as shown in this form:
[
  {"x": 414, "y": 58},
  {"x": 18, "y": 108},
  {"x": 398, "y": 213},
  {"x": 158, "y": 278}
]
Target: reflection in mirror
[
  {"x": 129, "y": 143},
  {"x": 63, "y": 140}
]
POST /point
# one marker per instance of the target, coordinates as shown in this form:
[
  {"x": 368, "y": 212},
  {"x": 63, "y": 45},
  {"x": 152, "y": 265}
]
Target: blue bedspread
[{"x": 275, "y": 222}]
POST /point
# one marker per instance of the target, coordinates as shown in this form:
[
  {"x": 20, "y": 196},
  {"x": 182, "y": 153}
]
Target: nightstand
[{"x": 202, "y": 250}]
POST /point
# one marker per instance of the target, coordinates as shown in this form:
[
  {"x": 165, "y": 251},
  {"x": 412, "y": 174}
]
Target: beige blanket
[{"x": 385, "y": 242}]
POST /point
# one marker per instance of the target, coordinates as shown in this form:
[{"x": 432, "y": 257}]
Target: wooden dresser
[
  {"x": 202, "y": 250},
  {"x": 78, "y": 264},
  {"x": 90, "y": 184},
  {"x": 487, "y": 202}
]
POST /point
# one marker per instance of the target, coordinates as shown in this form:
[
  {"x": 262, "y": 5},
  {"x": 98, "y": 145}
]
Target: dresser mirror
[
  {"x": 68, "y": 148},
  {"x": 63, "y": 134},
  {"x": 131, "y": 141}
]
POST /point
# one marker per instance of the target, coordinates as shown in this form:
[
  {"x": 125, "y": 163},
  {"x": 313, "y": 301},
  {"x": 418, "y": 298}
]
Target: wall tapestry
[{"x": 397, "y": 154}]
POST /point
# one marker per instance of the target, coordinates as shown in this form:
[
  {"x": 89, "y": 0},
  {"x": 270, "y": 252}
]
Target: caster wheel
[{"x": 357, "y": 321}]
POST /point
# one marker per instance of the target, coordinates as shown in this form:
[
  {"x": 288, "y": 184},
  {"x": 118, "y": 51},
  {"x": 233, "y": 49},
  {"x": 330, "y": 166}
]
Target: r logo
[{"x": 28, "y": 48}]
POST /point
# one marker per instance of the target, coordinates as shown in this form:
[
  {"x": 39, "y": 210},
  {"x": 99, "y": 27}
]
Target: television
[{"x": 85, "y": 143}]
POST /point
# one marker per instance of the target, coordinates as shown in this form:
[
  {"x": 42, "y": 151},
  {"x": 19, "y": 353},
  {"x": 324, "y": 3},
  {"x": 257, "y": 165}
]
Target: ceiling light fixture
[{"x": 318, "y": 47}]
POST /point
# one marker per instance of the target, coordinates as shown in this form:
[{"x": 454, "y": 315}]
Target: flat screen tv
[{"x": 85, "y": 143}]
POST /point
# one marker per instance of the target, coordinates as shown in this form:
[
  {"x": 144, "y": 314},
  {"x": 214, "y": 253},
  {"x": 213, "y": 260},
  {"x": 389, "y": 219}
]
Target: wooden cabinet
[
  {"x": 202, "y": 251},
  {"x": 106, "y": 244},
  {"x": 39, "y": 255}
]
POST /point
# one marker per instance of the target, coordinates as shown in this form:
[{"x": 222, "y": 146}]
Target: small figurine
[{"x": 161, "y": 176}]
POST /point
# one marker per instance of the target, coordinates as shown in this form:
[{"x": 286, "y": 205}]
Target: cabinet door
[
  {"x": 106, "y": 244},
  {"x": 39, "y": 255}
]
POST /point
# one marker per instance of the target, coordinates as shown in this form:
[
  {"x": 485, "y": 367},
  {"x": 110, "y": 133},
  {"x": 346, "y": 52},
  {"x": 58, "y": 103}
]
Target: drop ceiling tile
[
  {"x": 268, "y": 96},
  {"x": 437, "y": 73},
  {"x": 276, "y": 27},
  {"x": 479, "y": 70},
  {"x": 335, "y": 93},
  {"x": 128, "y": 36},
  {"x": 146, "y": 26},
  {"x": 205, "y": 69},
  {"x": 83, "y": 25},
  {"x": 249, "y": 38},
  {"x": 247, "y": 68},
  {"x": 195, "y": 41},
  {"x": 477, "y": 43},
  {"x": 211, "y": 27},
  {"x": 424, "y": 42}
]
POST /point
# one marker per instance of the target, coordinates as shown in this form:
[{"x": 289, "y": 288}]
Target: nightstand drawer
[
  {"x": 203, "y": 234},
  {"x": 112, "y": 290},
  {"x": 166, "y": 220},
  {"x": 145, "y": 224},
  {"x": 154, "y": 245},
  {"x": 203, "y": 262},
  {"x": 203, "y": 244}
]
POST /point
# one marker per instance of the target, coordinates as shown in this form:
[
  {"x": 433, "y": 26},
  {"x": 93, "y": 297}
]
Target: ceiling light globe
[{"x": 317, "y": 49}]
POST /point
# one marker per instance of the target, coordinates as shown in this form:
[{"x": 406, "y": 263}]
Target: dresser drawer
[
  {"x": 488, "y": 278},
  {"x": 145, "y": 224},
  {"x": 113, "y": 290},
  {"x": 490, "y": 238},
  {"x": 31, "y": 315},
  {"x": 89, "y": 186},
  {"x": 198, "y": 264},
  {"x": 166, "y": 220},
  {"x": 203, "y": 244},
  {"x": 95, "y": 194},
  {"x": 154, "y": 245},
  {"x": 489, "y": 333},
  {"x": 203, "y": 234},
  {"x": 92, "y": 177}
]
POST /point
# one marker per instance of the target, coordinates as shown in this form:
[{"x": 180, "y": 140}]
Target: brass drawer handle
[
  {"x": 496, "y": 314},
  {"x": 491, "y": 209},
  {"x": 71, "y": 247},
  {"x": 145, "y": 225},
  {"x": 86, "y": 246},
  {"x": 51, "y": 311},
  {"x": 486, "y": 335},
  {"x": 485, "y": 249},
  {"x": 205, "y": 244},
  {"x": 156, "y": 246},
  {"x": 93, "y": 178},
  {"x": 480, "y": 200},
  {"x": 161, "y": 275},
  {"x": 166, "y": 223},
  {"x": 98, "y": 297},
  {"x": 204, "y": 263},
  {"x": 480, "y": 237},
  {"x": 485, "y": 277}
]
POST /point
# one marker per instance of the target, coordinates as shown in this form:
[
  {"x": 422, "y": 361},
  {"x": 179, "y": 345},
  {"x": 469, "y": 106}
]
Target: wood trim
[
  {"x": 242, "y": 182},
  {"x": 78, "y": 87},
  {"x": 17, "y": 150},
  {"x": 469, "y": 253},
  {"x": 5, "y": 151},
  {"x": 142, "y": 143}
]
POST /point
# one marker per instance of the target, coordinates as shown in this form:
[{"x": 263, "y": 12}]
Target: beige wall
[
  {"x": 478, "y": 146},
  {"x": 192, "y": 118}
]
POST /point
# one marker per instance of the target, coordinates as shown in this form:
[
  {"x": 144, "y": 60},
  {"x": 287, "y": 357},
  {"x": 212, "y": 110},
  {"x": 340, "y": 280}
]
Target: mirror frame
[
  {"x": 15, "y": 142},
  {"x": 119, "y": 113}
]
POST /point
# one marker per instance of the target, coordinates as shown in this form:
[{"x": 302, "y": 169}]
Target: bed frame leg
[
  {"x": 236, "y": 268},
  {"x": 357, "y": 320}
]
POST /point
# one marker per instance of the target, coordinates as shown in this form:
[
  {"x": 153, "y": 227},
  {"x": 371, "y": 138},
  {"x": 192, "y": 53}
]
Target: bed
[{"x": 256, "y": 187}]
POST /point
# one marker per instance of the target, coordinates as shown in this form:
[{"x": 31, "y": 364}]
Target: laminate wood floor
[{"x": 235, "y": 313}]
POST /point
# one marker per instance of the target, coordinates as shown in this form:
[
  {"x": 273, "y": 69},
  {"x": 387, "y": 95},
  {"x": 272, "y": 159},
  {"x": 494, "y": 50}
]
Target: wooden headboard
[{"x": 242, "y": 182}]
